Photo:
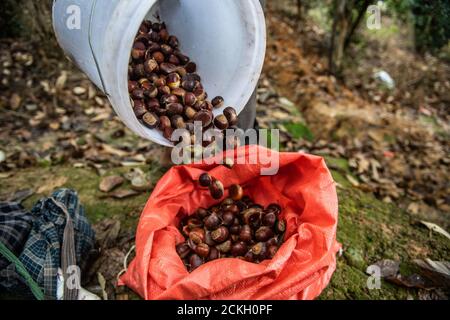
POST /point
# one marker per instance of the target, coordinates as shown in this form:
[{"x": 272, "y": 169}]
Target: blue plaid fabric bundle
[{"x": 41, "y": 250}]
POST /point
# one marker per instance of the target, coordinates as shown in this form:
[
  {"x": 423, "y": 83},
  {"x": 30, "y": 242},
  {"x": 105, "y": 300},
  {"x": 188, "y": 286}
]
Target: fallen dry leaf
[
  {"x": 110, "y": 183},
  {"x": 106, "y": 232},
  {"x": 437, "y": 271},
  {"x": 436, "y": 228},
  {"x": 111, "y": 150},
  {"x": 122, "y": 194}
]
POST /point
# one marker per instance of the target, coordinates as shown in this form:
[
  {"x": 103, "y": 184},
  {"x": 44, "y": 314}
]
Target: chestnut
[
  {"x": 154, "y": 36},
  {"x": 280, "y": 226},
  {"x": 137, "y": 94},
  {"x": 272, "y": 242},
  {"x": 150, "y": 120},
  {"x": 164, "y": 122},
  {"x": 216, "y": 189},
  {"x": 217, "y": 102},
  {"x": 195, "y": 261},
  {"x": 173, "y": 80},
  {"x": 249, "y": 257},
  {"x": 158, "y": 56},
  {"x": 150, "y": 65},
  {"x": 167, "y": 68},
  {"x": 189, "y": 85},
  {"x": 194, "y": 223},
  {"x": 181, "y": 71},
  {"x": 160, "y": 82},
  {"x": 224, "y": 247},
  {"x": 164, "y": 35},
  {"x": 228, "y": 218},
  {"x": 263, "y": 234},
  {"x": 208, "y": 239},
  {"x": 245, "y": 233},
  {"x": 214, "y": 254},
  {"x": 167, "y": 133},
  {"x": 190, "y": 113},
  {"x": 175, "y": 109},
  {"x": 239, "y": 249},
  {"x": 189, "y": 99},
  {"x": 212, "y": 222},
  {"x": 236, "y": 192},
  {"x": 177, "y": 122},
  {"x": 138, "y": 51},
  {"x": 150, "y": 90},
  {"x": 259, "y": 249},
  {"x": 202, "y": 250},
  {"x": 173, "y": 59},
  {"x": 235, "y": 229},
  {"x": 220, "y": 235},
  {"x": 221, "y": 122},
  {"x": 164, "y": 90},
  {"x": 139, "y": 108},
  {"x": 152, "y": 47},
  {"x": 205, "y": 180},
  {"x": 183, "y": 58},
  {"x": 231, "y": 115},
  {"x": 186, "y": 230},
  {"x": 183, "y": 250},
  {"x": 153, "y": 105},
  {"x": 132, "y": 85},
  {"x": 205, "y": 117},
  {"x": 252, "y": 216},
  {"x": 169, "y": 99},
  {"x": 191, "y": 67},
  {"x": 173, "y": 42},
  {"x": 197, "y": 235},
  {"x": 226, "y": 203},
  {"x": 166, "y": 49},
  {"x": 202, "y": 213},
  {"x": 275, "y": 208},
  {"x": 269, "y": 219},
  {"x": 139, "y": 71},
  {"x": 272, "y": 251}
]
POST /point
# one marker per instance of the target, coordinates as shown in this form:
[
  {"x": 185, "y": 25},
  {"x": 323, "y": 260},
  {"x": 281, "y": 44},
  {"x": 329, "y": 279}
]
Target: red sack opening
[{"x": 302, "y": 267}]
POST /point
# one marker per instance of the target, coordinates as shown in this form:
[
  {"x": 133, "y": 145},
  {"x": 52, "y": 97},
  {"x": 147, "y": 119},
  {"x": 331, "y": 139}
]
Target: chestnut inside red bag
[{"x": 301, "y": 268}]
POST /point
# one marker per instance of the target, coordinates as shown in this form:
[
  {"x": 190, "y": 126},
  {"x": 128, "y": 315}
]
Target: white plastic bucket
[{"x": 226, "y": 38}]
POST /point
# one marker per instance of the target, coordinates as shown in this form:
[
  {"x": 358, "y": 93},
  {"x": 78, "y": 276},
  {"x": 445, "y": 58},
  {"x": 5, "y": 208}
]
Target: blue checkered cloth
[
  {"x": 15, "y": 226},
  {"x": 41, "y": 254}
]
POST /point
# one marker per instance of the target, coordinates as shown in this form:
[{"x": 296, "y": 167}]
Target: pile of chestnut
[
  {"x": 236, "y": 228},
  {"x": 165, "y": 90}
]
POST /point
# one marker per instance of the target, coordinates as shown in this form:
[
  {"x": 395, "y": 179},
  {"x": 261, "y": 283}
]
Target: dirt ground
[{"x": 388, "y": 149}]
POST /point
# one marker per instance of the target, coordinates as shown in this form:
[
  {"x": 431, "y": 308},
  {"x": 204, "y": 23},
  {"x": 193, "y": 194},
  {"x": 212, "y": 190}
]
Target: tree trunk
[
  {"x": 341, "y": 24},
  {"x": 361, "y": 14}
]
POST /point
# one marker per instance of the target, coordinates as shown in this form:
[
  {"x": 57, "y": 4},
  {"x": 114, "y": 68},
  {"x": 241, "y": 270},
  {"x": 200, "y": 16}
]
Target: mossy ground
[{"x": 368, "y": 229}]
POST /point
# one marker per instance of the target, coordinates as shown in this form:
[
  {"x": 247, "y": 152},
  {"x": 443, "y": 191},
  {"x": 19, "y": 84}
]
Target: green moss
[
  {"x": 369, "y": 231},
  {"x": 85, "y": 182}
]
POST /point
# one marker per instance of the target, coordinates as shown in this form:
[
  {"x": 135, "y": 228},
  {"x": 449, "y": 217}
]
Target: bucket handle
[{"x": 97, "y": 65}]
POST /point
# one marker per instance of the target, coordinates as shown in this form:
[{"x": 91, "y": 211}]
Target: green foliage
[
  {"x": 299, "y": 131},
  {"x": 430, "y": 18},
  {"x": 431, "y": 22}
]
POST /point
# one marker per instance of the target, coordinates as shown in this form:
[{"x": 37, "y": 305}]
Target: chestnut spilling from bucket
[{"x": 226, "y": 38}]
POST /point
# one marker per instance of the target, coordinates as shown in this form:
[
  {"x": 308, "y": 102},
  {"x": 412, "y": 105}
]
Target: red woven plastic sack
[{"x": 301, "y": 268}]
